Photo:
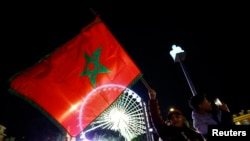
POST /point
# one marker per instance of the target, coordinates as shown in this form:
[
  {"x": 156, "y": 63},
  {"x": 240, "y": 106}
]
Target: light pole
[{"x": 179, "y": 55}]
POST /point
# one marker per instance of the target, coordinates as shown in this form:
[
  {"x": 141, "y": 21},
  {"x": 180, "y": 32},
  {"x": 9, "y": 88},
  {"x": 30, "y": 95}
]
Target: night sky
[{"x": 215, "y": 37}]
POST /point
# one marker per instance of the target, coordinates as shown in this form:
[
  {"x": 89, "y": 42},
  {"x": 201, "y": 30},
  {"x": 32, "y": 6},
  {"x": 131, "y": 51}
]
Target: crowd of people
[{"x": 177, "y": 128}]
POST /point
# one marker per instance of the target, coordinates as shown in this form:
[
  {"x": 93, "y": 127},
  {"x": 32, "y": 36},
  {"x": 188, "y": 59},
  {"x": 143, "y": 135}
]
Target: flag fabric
[{"x": 79, "y": 80}]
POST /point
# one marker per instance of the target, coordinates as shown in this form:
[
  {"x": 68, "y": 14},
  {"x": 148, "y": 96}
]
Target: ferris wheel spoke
[{"x": 125, "y": 115}]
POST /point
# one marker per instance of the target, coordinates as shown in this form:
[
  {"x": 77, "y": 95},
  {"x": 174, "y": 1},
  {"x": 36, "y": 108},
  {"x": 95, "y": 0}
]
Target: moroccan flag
[{"x": 79, "y": 80}]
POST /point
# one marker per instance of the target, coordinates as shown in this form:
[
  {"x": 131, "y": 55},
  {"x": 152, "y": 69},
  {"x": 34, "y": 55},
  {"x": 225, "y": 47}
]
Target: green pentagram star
[{"x": 97, "y": 67}]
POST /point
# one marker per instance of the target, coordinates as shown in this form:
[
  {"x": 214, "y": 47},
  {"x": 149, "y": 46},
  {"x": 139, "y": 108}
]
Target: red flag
[{"x": 79, "y": 80}]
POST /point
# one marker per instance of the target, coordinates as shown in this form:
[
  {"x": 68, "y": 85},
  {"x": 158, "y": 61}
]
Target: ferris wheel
[{"x": 126, "y": 115}]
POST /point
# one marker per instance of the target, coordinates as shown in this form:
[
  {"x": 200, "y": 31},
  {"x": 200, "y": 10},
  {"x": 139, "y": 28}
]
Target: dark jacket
[{"x": 170, "y": 133}]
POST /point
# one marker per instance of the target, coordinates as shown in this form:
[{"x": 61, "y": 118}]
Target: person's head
[
  {"x": 200, "y": 103},
  {"x": 176, "y": 118}
]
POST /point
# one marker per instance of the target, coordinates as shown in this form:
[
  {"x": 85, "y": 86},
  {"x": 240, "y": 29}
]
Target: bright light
[
  {"x": 118, "y": 118},
  {"x": 177, "y": 52},
  {"x": 94, "y": 92},
  {"x": 125, "y": 116}
]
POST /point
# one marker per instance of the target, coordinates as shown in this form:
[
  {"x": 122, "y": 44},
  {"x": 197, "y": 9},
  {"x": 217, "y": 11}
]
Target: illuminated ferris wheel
[{"x": 126, "y": 116}]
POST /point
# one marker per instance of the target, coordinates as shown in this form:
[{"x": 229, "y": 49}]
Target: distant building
[
  {"x": 242, "y": 118},
  {"x": 2, "y": 134}
]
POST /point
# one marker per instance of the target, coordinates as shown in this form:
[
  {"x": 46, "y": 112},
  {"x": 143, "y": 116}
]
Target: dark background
[{"x": 214, "y": 35}]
